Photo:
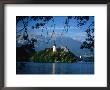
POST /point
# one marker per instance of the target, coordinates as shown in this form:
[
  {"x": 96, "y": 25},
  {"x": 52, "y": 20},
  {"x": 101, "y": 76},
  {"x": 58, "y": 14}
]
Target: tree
[
  {"x": 89, "y": 42},
  {"x": 25, "y": 20}
]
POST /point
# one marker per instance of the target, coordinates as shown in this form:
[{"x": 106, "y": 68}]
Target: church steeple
[{"x": 54, "y": 47}]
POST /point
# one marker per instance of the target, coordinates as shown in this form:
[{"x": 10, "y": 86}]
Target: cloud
[
  {"x": 80, "y": 36},
  {"x": 62, "y": 27}
]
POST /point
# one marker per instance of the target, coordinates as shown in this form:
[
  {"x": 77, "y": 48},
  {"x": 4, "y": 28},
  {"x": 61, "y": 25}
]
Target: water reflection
[{"x": 79, "y": 67}]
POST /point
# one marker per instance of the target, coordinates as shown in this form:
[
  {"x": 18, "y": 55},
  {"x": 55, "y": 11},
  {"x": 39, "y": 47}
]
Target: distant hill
[{"x": 72, "y": 45}]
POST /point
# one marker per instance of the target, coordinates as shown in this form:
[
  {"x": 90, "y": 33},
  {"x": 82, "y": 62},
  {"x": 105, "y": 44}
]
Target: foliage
[
  {"x": 89, "y": 42},
  {"x": 24, "y": 52}
]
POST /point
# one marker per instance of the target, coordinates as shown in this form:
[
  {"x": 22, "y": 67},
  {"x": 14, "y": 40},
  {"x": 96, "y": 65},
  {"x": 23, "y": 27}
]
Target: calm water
[{"x": 59, "y": 68}]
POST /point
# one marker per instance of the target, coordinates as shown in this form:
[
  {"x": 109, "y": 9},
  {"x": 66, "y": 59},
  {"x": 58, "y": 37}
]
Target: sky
[{"x": 75, "y": 32}]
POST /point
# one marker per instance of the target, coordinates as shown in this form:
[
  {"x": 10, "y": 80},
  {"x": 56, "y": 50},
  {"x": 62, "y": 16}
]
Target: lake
[{"x": 80, "y": 67}]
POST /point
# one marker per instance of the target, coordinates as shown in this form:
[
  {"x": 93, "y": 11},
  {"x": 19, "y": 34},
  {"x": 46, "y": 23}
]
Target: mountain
[{"x": 71, "y": 44}]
